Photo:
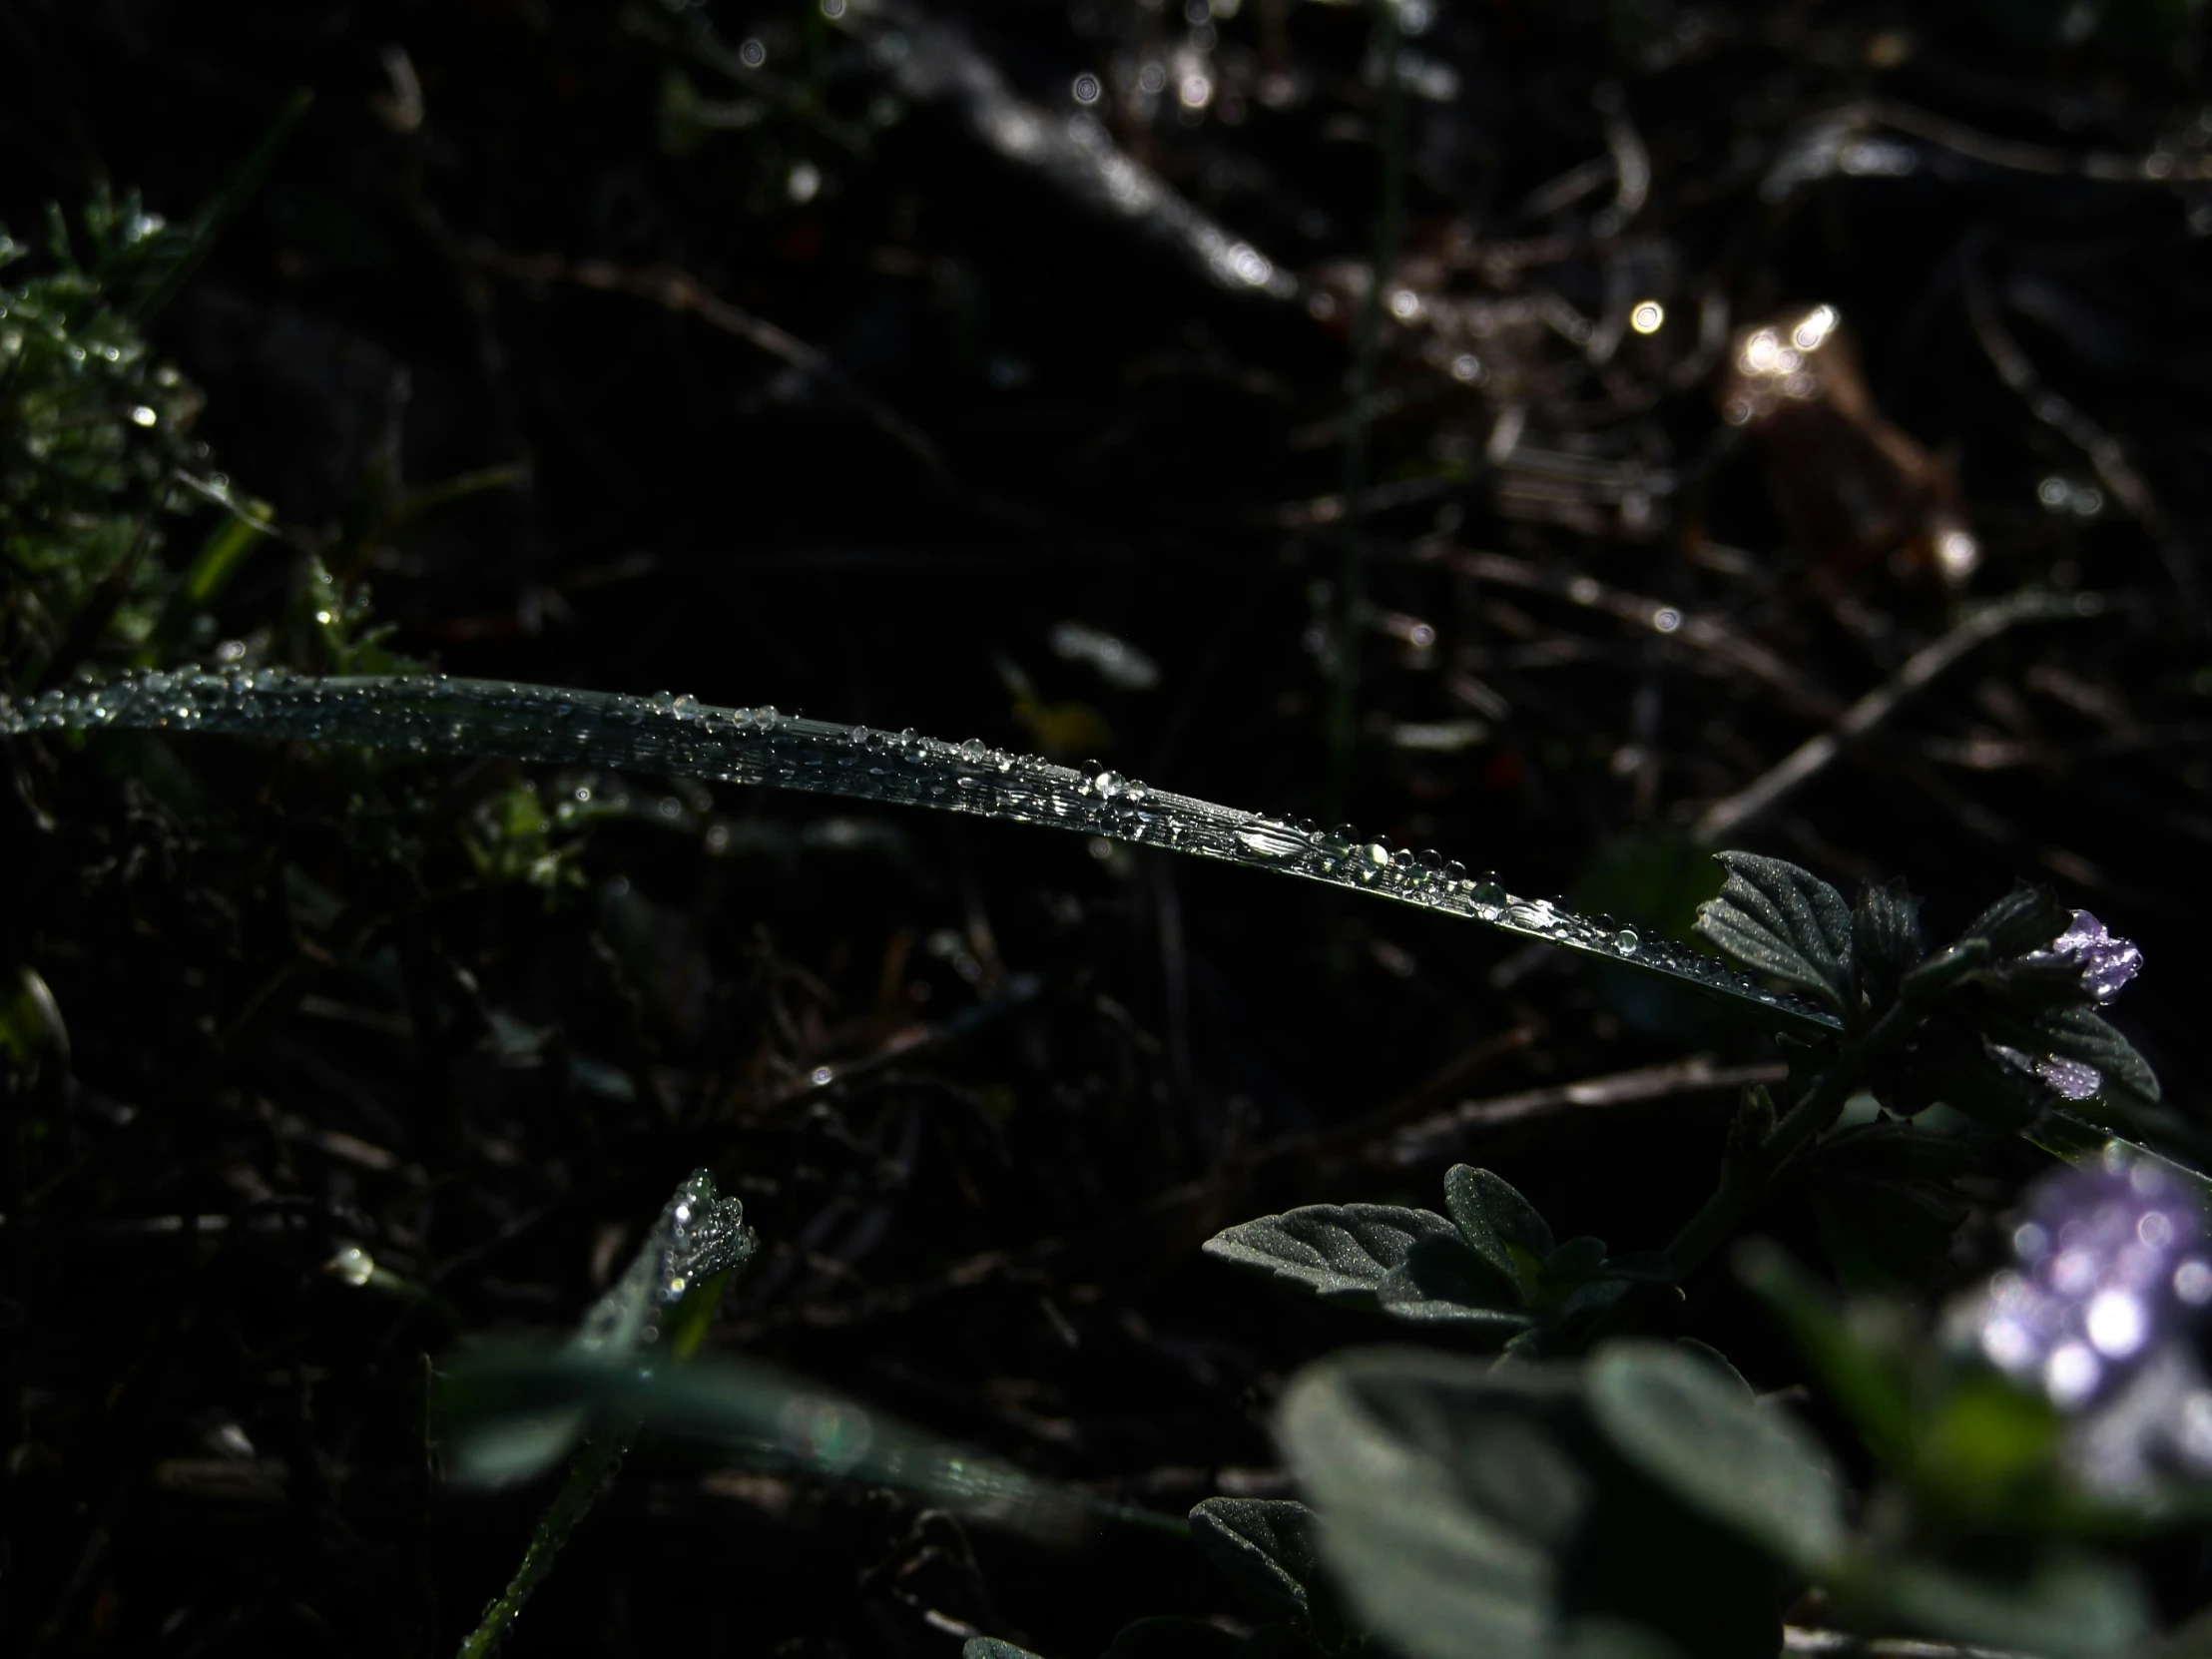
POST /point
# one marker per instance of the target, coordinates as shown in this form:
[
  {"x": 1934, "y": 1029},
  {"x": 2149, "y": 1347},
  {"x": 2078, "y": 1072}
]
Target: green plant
[{"x": 1593, "y": 1494}]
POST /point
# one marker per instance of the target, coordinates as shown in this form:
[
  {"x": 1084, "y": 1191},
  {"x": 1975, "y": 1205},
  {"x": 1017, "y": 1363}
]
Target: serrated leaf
[
  {"x": 1442, "y": 1282},
  {"x": 1785, "y": 923},
  {"x": 1886, "y": 936},
  {"x": 1753, "y": 1470},
  {"x": 1265, "y": 1547},
  {"x": 1471, "y": 1510},
  {"x": 1498, "y": 1224},
  {"x": 1340, "y": 1252}
]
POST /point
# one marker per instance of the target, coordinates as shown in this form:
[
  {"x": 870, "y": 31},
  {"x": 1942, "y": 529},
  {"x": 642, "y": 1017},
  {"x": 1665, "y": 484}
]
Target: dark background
[{"x": 1054, "y": 1068}]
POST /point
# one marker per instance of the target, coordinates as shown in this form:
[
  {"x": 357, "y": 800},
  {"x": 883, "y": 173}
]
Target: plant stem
[
  {"x": 1744, "y": 1181},
  {"x": 589, "y": 1475}
]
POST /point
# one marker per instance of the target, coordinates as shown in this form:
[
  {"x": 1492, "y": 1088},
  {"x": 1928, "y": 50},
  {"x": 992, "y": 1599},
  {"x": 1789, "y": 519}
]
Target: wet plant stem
[
  {"x": 592, "y": 1472},
  {"x": 1747, "y": 1174},
  {"x": 1351, "y": 577}
]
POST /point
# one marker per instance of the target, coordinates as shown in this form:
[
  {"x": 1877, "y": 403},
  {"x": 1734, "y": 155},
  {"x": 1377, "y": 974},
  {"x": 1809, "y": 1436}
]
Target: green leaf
[
  {"x": 32, "y": 1031},
  {"x": 1442, "y": 1282},
  {"x": 990, "y": 1647},
  {"x": 1785, "y": 923},
  {"x": 1498, "y": 1224},
  {"x": 750, "y": 1411},
  {"x": 1884, "y": 1197},
  {"x": 1751, "y": 1469},
  {"x": 2079, "y": 1033},
  {"x": 1340, "y": 1252},
  {"x": 1886, "y": 936},
  {"x": 1864, "y": 1372},
  {"x": 1642, "y": 1267},
  {"x": 2065, "y": 1605},
  {"x": 1986, "y": 1446},
  {"x": 1262, "y": 1545},
  {"x": 1471, "y": 1510},
  {"x": 2024, "y": 920},
  {"x": 1574, "y": 1263}
]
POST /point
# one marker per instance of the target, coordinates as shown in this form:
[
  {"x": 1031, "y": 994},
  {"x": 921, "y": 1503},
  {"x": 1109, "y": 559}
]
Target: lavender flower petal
[
  {"x": 2110, "y": 1267},
  {"x": 2070, "y": 1079},
  {"x": 2107, "y": 961}
]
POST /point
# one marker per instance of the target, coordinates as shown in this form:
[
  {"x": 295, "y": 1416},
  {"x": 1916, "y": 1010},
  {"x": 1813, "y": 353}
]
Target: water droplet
[
  {"x": 1535, "y": 914},
  {"x": 1268, "y": 841},
  {"x": 973, "y": 752},
  {"x": 1375, "y": 855},
  {"x": 1111, "y": 785},
  {"x": 1626, "y": 941}
]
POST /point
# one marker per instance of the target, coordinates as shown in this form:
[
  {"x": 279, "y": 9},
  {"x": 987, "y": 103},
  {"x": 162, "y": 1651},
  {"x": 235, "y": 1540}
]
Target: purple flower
[
  {"x": 2108, "y": 1261},
  {"x": 2112, "y": 1274},
  {"x": 2107, "y": 961},
  {"x": 2072, "y": 1079}
]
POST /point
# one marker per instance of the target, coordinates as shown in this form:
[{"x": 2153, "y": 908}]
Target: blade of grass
[{"x": 430, "y": 714}]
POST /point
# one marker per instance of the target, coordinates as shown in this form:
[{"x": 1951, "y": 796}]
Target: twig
[
  {"x": 1433, "y": 1136},
  {"x": 1724, "y": 817},
  {"x": 2157, "y": 167},
  {"x": 1704, "y": 633},
  {"x": 680, "y": 292}
]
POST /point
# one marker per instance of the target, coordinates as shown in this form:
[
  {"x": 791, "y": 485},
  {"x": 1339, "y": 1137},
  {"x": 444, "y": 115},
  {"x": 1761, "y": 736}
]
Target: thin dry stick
[
  {"x": 2157, "y": 167},
  {"x": 1725, "y": 818},
  {"x": 1432, "y": 1137},
  {"x": 680, "y": 292},
  {"x": 1702, "y": 633}
]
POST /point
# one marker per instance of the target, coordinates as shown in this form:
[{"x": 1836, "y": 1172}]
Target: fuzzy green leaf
[
  {"x": 1498, "y": 1224},
  {"x": 1785, "y": 923},
  {"x": 1265, "y": 1547},
  {"x": 1340, "y": 1252},
  {"x": 1751, "y": 1469},
  {"x": 1469, "y": 1511}
]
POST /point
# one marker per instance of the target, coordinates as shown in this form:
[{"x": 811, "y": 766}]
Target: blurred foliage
[{"x": 96, "y": 445}]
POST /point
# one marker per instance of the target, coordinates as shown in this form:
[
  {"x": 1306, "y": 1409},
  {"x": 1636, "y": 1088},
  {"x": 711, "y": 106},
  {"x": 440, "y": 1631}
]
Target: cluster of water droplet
[{"x": 678, "y": 735}]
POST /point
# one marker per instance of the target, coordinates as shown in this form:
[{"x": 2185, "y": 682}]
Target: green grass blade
[{"x": 430, "y": 714}]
